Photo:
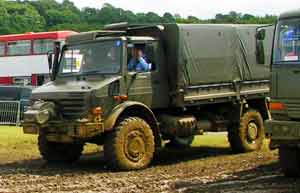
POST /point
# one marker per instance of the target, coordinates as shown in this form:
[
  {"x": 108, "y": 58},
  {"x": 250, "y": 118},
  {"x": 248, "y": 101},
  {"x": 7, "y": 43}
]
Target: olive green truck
[
  {"x": 202, "y": 78},
  {"x": 284, "y": 128}
]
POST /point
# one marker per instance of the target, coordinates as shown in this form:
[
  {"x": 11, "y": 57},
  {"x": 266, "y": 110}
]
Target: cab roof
[
  {"x": 92, "y": 35},
  {"x": 115, "y": 31},
  {"x": 290, "y": 14}
]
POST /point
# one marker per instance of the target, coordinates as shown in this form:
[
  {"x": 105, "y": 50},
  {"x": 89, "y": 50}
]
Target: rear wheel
[
  {"x": 249, "y": 134},
  {"x": 54, "y": 152},
  {"x": 131, "y": 145},
  {"x": 290, "y": 161}
]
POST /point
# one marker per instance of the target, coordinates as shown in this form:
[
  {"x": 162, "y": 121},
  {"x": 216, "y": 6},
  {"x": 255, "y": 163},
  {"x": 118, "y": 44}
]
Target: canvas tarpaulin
[{"x": 206, "y": 54}]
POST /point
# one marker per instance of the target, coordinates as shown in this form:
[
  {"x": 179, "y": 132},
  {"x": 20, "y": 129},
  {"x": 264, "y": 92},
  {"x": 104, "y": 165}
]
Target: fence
[{"x": 10, "y": 112}]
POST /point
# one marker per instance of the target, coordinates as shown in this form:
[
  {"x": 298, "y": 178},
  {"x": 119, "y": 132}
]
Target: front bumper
[
  {"x": 65, "y": 131},
  {"x": 283, "y": 133},
  {"x": 283, "y": 130}
]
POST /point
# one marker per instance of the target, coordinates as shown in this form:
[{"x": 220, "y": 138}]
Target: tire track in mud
[{"x": 195, "y": 170}]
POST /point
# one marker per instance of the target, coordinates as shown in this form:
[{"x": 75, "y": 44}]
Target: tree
[
  {"x": 42, "y": 15},
  {"x": 153, "y": 18},
  {"x": 193, "y": 19},
  {"x": 19, "y": 17},
  {"x": 168, "y": 18}
]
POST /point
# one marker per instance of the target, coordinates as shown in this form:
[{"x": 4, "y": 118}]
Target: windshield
[
  {"x": 102, "y": 57},
  {"x": 287, "y": 42}
]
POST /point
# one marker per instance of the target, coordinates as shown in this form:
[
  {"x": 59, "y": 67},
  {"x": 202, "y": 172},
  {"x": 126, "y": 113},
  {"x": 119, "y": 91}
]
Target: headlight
[
  {"x": 42, "y": 117},
  {"x": 40, "y": 112}
]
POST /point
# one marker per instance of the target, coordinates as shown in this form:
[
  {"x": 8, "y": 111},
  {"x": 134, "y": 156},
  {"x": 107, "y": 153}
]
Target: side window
[
  {"x": 22, "y": 47},
  {"x": 42, "y": 46},
  {"x": 141, "y": 57},
  {"x": 2, "y": 48}
]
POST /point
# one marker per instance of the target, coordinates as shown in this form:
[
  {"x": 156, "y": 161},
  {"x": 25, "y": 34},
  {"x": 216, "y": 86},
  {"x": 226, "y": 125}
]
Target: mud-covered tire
[
  {"x": 54, "y": 152},
  {"x": 290, "y": 161},
  {"x": 249, "y": 134},
  {"x": 130, "y": 146}
]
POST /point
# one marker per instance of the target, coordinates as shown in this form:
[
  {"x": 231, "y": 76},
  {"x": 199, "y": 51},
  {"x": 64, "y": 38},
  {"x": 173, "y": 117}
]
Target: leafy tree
[
  {"x": 193, "y": 19},
  {"x": 153, "y": 18},
  {"x": 43, "y": 15},
  {"x": 168, "y": 18},
  {"x": 18, "y": 17}
]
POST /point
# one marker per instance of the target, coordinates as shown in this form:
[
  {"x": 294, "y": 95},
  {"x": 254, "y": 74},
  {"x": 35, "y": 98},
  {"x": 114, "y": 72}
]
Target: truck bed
[{"x": 222, "y": 92}]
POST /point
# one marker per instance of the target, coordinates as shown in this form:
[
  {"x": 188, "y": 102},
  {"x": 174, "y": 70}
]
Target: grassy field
[
  {"x": 14, "y": 135},
  {"x": 209, "y": 165},
  {"x": 15, "y": 145}
]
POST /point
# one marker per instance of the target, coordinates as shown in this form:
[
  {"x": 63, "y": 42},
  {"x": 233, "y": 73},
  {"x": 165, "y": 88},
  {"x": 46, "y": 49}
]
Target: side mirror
[
  {"x": 261, "y": 34},
  {"x": 55, "y": 60},
  {"x": 50, "y": 55}
]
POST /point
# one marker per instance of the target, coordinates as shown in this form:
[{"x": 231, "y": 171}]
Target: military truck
[
  {"x": 202, "y": 78},
  {"x": 284, "y": 128}
]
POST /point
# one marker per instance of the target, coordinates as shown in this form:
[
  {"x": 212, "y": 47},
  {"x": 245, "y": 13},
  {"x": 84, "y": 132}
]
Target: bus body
[{"x": 23, "y": 57}]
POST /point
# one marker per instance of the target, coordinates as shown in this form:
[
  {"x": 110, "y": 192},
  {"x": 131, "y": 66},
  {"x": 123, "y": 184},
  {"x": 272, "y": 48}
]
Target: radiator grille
[{"x": 74, "y": 106}]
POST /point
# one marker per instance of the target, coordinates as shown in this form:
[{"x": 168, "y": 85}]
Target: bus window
[
  {"x": 42, "y": 46},
  {"x": 22, "y": 47},
  {"x": 2, "y": 48}
]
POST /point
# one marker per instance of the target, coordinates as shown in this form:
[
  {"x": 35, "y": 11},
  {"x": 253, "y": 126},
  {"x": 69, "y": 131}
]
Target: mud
[{"x": 197, "y": 169}]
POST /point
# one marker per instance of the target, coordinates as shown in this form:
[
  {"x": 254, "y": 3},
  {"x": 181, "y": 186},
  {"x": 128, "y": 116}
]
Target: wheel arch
[
  {"x": 133, "y": 109},
  {"x": 261, "y": 105}
]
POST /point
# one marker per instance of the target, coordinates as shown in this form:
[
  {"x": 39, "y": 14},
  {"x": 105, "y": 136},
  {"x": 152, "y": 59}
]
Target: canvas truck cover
[{"x": 206, "y": 54}]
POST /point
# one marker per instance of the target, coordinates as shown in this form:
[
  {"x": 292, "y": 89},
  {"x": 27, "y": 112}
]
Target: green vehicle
[
  {"x": 284, "y": 128},
  {"x": 202, "y": 78}
]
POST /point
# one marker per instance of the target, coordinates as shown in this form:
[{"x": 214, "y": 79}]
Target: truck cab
[
  {"x": 93, "y": 89},
  {"x": 284, "y": 128}
]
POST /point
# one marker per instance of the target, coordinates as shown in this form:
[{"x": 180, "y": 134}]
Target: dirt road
[{"x": 197, "y": 169}]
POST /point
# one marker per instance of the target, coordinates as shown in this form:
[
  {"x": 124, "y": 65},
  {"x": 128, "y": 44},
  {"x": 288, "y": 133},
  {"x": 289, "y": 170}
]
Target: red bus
[{"x": 23, "y": 57}]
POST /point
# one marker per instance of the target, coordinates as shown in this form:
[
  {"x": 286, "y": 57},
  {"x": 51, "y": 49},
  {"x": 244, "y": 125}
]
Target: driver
[{"x": 138, "y": 62}]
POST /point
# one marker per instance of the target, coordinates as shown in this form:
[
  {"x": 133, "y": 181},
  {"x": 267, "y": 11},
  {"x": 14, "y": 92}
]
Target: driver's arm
[{"x": 145, "y": 66}]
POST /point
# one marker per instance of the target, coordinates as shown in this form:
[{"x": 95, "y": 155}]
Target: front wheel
[
  {"x": 54, "y": 152},
  {"x": 290, "y": 161},
  {"x": 131, "y": 145},
  {"x": 249, "y": 134}
]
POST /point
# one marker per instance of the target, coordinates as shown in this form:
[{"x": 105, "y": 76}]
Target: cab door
[{"x": 148, "y": 87}]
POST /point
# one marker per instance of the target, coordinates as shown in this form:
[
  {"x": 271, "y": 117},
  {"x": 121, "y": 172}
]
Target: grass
[
  {"x": 10, "y": 136},
  {"x": 211, "y": 140},
  {"x": 14, "y": 135},
  {"x": 15, "y": 146}
]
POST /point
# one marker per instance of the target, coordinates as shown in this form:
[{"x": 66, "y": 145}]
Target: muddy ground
[{"x": 197, "y": 169}]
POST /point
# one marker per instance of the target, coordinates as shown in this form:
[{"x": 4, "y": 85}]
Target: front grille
[{"x": 74, "y": 106}]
